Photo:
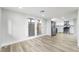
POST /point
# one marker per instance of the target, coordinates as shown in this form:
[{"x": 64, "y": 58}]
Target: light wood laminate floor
[{"x": 59, "y": 43}]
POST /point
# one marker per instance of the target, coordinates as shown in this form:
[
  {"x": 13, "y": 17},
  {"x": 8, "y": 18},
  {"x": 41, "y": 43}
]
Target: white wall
[
  {"x": 72, "y": 28},
  {"x": 19, "y": 24},
  {"x": 48, "y": 32},
  {"x": 77, "y": 28},
  {"x": 0, "y": 23},
  {"x": 44, "y": 26},
  {"x": 17, "y": 20}
]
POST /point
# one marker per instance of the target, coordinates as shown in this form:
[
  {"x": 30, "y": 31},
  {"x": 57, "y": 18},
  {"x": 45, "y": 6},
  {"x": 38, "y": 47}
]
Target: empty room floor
[{"x": 59, "y": 43}]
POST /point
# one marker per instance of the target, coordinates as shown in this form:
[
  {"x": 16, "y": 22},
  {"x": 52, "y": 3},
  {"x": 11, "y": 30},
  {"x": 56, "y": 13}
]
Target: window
[{"x": 31, "y": 27}]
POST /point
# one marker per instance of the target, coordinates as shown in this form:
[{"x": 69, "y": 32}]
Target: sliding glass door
[{"x": 31, "y": 27}]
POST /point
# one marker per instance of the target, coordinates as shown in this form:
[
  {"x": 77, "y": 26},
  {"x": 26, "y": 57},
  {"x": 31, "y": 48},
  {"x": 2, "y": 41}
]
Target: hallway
[{"x": 59, "y": 43}]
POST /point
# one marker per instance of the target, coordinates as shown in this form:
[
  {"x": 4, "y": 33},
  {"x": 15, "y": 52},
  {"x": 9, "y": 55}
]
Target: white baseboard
[{"x": 21, "y": 40}]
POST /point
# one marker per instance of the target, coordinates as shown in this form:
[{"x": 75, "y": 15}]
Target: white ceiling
[{"x": 50, "y": 12}]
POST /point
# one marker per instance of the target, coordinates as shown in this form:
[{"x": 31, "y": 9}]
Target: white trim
[{"x": 18, "y": 41}]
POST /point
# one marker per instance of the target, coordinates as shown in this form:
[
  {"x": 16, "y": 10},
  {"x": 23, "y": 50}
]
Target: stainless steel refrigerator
[{"x": 53, "y": 28}]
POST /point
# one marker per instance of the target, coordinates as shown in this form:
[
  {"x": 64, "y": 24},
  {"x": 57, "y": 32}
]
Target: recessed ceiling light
[{"x": 53, "y": 19}]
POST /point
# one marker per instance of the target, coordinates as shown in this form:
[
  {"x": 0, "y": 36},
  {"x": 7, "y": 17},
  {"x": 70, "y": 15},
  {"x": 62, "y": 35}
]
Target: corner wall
[
  {"x": 0, "y": 23},
  {"x": 48, "y": 32},
  {"x": 77, "y": 28}
]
